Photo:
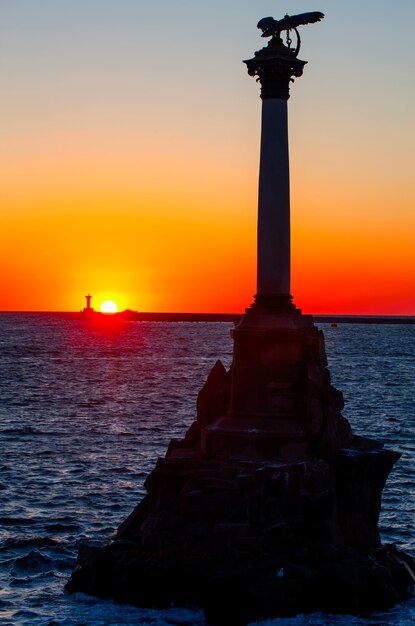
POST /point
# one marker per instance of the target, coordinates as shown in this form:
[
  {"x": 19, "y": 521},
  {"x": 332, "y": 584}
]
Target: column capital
[{"x": 275, "y": 66}]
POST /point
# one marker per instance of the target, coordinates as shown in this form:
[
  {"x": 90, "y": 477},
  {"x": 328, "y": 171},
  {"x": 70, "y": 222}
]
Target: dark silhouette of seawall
[{"x": 235, "y": 318}]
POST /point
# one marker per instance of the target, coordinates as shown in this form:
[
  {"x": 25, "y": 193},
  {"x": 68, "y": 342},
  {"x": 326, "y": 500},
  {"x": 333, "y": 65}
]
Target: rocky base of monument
[
  {"x": 252, "y": 540},
  {"x": 272, "y": 513}
]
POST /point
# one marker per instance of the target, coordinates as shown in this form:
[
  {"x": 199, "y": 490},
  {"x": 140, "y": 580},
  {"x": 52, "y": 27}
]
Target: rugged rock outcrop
[
  {"x": 270, "y": 513},
  {"x": 251, "y": 540}
]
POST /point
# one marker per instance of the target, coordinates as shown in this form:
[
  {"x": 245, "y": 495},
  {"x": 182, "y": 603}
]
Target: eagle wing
[{"x": 292, "y": 21}]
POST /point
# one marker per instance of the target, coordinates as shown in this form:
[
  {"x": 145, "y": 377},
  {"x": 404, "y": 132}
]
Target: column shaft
[{"x": 274, "y": 201}]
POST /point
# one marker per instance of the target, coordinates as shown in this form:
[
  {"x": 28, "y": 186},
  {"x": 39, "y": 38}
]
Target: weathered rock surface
[
  {"x": 250, "y": 540},
  {"x": 246, "y": 526}
]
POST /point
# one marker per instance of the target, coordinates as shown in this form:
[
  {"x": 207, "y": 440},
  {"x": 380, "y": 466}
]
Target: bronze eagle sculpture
[{"x": 273, "y": 28}]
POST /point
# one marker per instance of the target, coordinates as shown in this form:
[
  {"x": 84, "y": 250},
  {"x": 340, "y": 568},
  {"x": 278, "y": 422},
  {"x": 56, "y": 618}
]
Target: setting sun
[{"x": 109, "y": 306}]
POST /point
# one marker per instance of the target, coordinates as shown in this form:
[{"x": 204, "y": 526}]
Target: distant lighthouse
[{"x": 88, "y": 312}]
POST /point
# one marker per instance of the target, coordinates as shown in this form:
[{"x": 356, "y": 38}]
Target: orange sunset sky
[{"x": 130, "y": 147}]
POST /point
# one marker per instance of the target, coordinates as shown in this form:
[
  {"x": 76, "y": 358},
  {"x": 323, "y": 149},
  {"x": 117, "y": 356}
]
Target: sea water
[{"x": 86, "y": 410}]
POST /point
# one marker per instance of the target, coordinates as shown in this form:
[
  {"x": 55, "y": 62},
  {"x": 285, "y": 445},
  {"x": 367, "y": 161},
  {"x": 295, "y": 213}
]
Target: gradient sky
[{"x": 130, "y": 143}]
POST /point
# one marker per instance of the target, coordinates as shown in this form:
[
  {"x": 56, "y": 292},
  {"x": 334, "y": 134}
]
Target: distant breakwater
[
  {"x": 144, "y": 316},
  {"x": 234, "y": 318}
]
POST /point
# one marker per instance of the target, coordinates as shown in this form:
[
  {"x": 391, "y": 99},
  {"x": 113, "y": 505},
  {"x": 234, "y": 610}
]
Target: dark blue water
[{"x": 85, "y": 411}]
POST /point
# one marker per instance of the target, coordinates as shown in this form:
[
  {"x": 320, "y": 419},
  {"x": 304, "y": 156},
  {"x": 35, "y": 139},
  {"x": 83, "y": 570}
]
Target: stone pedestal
[{"x": 281, "y": 401}]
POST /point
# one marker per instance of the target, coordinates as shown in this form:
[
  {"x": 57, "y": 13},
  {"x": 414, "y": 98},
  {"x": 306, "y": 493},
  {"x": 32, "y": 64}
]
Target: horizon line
[{"x": 209, "y": 314}]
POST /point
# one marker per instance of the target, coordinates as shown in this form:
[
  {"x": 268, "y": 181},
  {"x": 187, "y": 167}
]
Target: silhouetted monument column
[
  {"x": 270, "y": 343},
  {"x": 274, "y": 69}
]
